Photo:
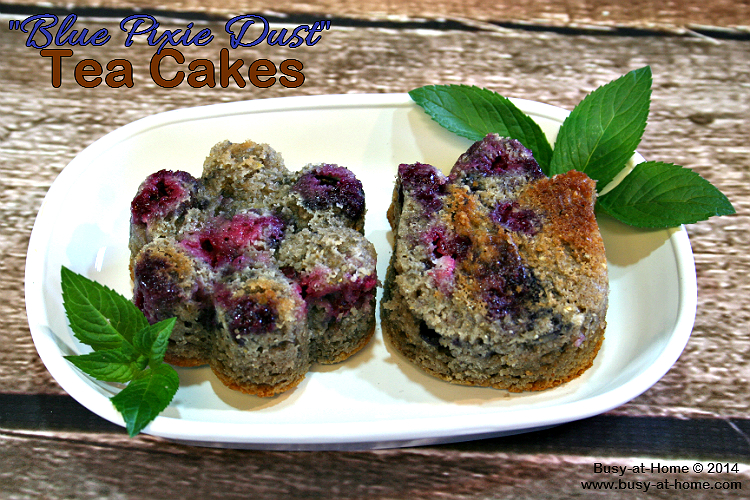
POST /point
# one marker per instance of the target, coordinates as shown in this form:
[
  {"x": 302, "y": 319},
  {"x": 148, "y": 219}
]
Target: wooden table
[{"x": 552, "y": 51}]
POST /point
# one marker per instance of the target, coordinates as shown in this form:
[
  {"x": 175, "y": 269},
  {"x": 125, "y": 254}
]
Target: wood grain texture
[
  {"x": 675, "y": 15},
  {"x": 41, "y": 466},
  {"x": 699, "y": 119}
]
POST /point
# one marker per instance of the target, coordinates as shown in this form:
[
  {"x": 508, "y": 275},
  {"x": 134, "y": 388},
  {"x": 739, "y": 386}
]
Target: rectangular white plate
[{"x": 376, "y": 398}]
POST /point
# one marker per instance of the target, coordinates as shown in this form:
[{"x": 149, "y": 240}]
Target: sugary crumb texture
[
  {"x": 498, "y": 276},
  {"x": 266, "y": 270}
]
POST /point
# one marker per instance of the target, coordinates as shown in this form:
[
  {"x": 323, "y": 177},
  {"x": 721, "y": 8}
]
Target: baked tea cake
[
  {"x": 498, "y": 276},
  {"x": 266, "y": 270}
]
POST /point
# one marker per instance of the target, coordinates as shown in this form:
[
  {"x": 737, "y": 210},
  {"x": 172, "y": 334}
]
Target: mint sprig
[
  {"x": 126, "y": 348},
  {"x": 598, "y": 138}
]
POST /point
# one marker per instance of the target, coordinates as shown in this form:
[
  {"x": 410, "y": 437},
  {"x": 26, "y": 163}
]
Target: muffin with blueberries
[
  {"x": 498, "y": 276},
  {"x": 266, "y": 270}
]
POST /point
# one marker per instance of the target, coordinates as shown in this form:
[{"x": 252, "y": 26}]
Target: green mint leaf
[
  {"x": 598, "y": 138},
  {"x": 473, "y": 113},
  {"x": 98, "y": 316},
  {"x": 603, "y": 131},
  {"x": 657, "y": 194},
  {"x": 126, "y": 348},
  {"x": 146, "y": 396},
  {"x": 111, "y": 365},
  {"x": 152, "y": 341}
]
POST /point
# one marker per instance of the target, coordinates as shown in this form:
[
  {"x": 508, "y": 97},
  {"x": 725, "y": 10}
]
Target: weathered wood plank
[
  {"x": 75, "y": 466},
  {"x": 675, "y": 15},
  {"x": 601, "y": 435},
  {"x": 699, "y": 119}
]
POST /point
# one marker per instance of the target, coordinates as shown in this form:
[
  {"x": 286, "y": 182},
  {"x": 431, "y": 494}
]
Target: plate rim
[{"x": 408, "y": 431}]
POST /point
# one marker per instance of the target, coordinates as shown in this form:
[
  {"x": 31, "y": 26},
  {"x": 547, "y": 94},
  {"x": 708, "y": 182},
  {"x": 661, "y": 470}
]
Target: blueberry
[
  {"x": 424, "y": 182},
  {"x": 454, "y": 246},
  {"x": 336, "y": 297},
  {"x": 161, "y": 194},
  {"x": 246, "y": 316},
  {"x": 156, "y": 291},
  {"x": 495, "y": 155},
  {"x": 258, "y": 231},
  {"x": 327, "y": 186},
  {"x": 513, "y": 218},
  {"x": 225, "y": 241},
  {"x": 506, "y": 285}
]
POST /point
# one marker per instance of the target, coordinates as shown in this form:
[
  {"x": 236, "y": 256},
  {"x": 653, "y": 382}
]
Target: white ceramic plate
[{"x": 376, "y": 398}]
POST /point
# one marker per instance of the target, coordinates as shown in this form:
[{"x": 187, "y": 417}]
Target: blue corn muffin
[
  {"x": 498, "y": 276},
  {"x": 266, "y": 270}
]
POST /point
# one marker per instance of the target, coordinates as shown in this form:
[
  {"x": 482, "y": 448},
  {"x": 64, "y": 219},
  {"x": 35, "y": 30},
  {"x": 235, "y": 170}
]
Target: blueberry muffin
[
  {"x": 266, "y": 270},
  {"x": 498, "y": 276}
]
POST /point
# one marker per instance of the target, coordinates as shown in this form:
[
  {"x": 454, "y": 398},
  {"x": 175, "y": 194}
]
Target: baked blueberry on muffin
[
  {"x": 267, "y": 271},
  {"x": 498, "y": 276}
]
